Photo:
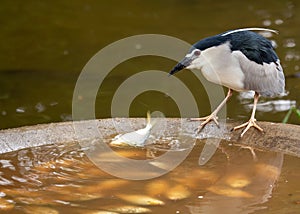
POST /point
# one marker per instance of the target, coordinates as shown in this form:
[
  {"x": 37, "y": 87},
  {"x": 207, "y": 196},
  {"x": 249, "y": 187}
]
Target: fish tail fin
[
  {"x": 148, "y": 117},
  {"x": 149, "y": 121}
]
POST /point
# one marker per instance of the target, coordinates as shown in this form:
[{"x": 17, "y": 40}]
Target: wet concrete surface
[{"x": 276, "y": 136}]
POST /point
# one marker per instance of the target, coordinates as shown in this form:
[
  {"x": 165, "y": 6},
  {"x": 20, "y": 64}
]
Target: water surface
[{"x": 61, "y": 179}]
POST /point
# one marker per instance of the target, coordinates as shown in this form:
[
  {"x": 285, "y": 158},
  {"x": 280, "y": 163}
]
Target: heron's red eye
[{"x": 197, "y": 52}]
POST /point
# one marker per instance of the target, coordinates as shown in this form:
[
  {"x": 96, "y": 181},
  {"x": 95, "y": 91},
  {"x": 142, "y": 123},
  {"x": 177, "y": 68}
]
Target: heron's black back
[{"x": 254, "y": 46}]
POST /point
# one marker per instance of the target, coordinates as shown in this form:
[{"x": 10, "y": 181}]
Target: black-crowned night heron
[{"x": 240, "y": 60}]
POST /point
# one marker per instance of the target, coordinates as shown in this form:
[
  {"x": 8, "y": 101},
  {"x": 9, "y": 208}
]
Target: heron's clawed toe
[
  {"x": 205, "y": 120},
  {"x": 209, "y": 117},
  {"x": 248, "y": 125}
]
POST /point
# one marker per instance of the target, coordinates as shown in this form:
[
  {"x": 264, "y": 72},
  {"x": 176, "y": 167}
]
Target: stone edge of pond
[{"x": 276, "y": 136}]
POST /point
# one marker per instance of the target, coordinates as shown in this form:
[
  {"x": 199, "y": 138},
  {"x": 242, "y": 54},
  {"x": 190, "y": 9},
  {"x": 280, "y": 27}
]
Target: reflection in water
[
  {"x": 60, "y": 178},
  {"x": 245, "y": 185}
]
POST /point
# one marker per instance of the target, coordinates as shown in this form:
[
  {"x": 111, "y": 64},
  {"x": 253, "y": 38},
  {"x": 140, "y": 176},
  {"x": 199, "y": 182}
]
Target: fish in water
[{"x": 136, "y": 138}]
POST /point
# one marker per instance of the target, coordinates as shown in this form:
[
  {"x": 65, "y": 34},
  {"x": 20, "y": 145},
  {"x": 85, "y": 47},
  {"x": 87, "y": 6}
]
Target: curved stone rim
[{"x": 277, "y": 137}]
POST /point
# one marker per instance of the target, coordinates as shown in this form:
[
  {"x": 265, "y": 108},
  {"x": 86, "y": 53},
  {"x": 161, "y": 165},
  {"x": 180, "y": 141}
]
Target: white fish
[
  {"x": 6, "y": 205},
  {"x": 136, "y": 138},
  {"x": 229, "y": 192},
  {"x": 157, "y": 187},
  {"x": 97, "y": 212},
  {"x": 141, "y": 200},
  {"x": 178, "y": 192},
  {"x": 39, "y": 210},
  {"x": 238, "y": 180},
  {"x": 128, "y": 209}
]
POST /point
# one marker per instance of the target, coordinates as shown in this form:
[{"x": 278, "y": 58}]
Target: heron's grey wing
[{"x": 267, "y": 78}]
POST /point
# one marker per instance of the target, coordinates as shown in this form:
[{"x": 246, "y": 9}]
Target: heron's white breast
[{"x": 219, "y": 66}]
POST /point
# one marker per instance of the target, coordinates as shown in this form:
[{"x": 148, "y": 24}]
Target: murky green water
[
  {"x": 61, "y": 179},
  {"x": 45, "y": 45}
]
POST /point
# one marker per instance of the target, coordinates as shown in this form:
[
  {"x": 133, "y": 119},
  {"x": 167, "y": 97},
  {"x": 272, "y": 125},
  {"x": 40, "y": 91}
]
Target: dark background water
[{"x": 44, "y": 46}]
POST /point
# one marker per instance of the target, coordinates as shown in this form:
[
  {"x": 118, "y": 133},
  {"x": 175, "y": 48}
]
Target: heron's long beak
[{"x": 181, "y": 65}]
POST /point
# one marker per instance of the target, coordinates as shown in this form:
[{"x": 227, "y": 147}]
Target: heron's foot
[
  {"x": 206, "y": 120},
  {"x": 248, "y": 125}
]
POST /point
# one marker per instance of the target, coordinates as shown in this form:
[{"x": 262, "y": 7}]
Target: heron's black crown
[{"x": 254, "y": 46}]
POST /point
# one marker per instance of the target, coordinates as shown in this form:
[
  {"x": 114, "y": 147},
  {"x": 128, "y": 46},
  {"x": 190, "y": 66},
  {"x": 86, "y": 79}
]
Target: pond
[
  {"x": 62, "y": 179},
  {"x": 78, "y": 167},
  {"x": 45, "y": 46}
]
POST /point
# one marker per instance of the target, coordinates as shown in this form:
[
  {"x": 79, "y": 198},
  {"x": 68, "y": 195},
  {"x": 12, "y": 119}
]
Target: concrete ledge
[{"x": 276, "y": 136}]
